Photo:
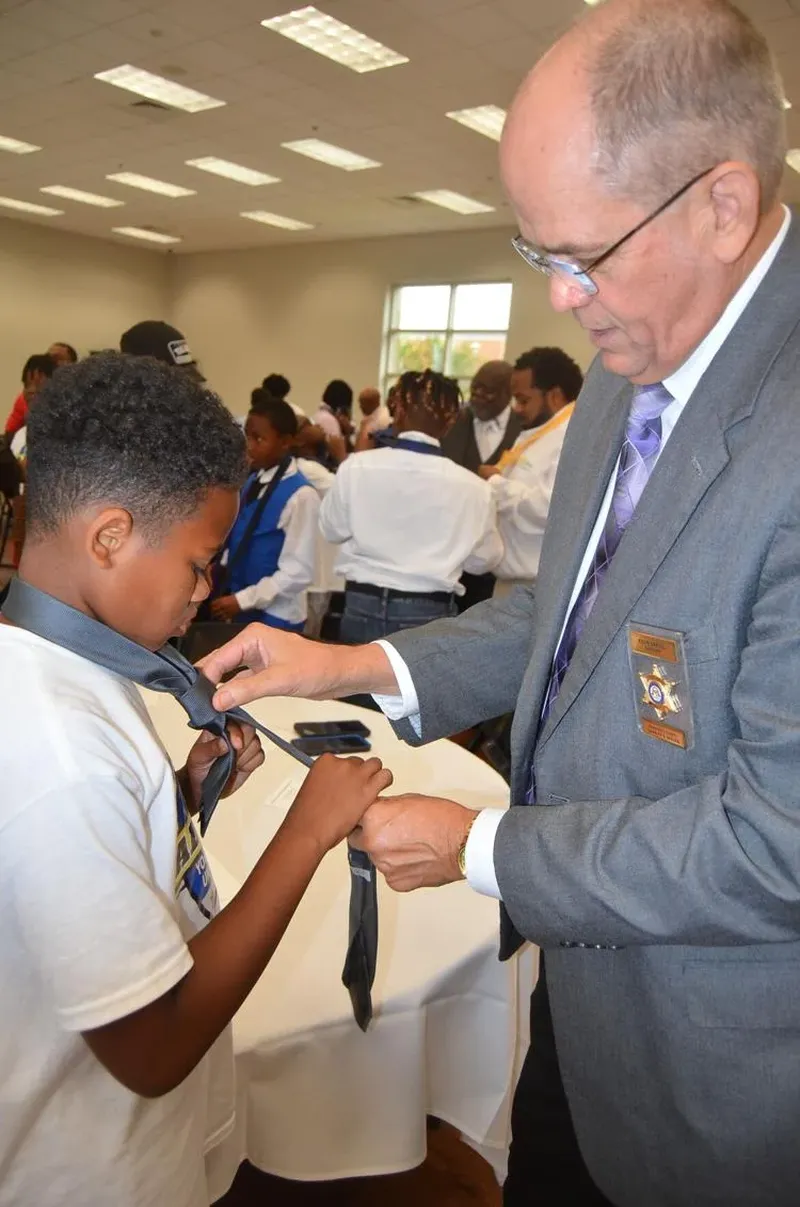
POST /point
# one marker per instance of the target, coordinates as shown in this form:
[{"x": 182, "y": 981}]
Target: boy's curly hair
[{"x": 128, "y": 431}]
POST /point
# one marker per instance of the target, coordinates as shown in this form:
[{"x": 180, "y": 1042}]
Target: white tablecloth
[{"x": 317, "y": 1099}]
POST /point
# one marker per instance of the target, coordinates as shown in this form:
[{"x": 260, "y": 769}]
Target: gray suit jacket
[
  {"x": 665, "y": 883},
  {"x": 460, "y": 446}
]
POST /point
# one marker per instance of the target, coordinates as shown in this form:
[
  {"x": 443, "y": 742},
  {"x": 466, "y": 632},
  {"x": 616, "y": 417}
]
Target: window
[{"x": 452, "y": 328}]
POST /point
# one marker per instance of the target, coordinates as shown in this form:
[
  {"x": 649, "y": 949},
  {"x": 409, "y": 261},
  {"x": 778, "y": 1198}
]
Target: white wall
[
  {"x": 59, "y": 286},
  {"x": 312, "y": 311},
  {"x": 316, "y": 311}
]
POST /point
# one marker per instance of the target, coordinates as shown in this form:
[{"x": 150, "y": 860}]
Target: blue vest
[{"x": 260, "y": 559}]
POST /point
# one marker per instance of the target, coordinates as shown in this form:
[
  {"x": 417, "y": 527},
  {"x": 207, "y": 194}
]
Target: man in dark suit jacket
[
  {"x": 652, "y": 849},
  {"x": 481, "y": 434}
]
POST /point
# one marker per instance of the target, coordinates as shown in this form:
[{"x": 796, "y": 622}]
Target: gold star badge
[{"x": 659, "y": 692}]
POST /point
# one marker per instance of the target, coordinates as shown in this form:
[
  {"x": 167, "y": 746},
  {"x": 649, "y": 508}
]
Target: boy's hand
[
  {"x": 225, "y": 608},
  {"x": 208, "y": 748},
  {"x": 336, "y": 794},
  {"x": 488, "y": 471}
]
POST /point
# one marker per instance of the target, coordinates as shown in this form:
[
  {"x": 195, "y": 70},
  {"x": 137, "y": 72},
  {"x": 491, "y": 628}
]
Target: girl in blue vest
[{"x": 268, "y": 563}]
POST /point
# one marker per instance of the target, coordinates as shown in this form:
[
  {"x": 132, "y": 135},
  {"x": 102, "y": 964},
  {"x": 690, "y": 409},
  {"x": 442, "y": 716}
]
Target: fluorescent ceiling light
[
  {"x": 232, "y": 171},
  {"x": 326, "y": 152},
  {"x": 486, "y": 119},
  {"x": 157, "y": 88},
  {"x": 61, "y": 190},
  {"x": 793, "y": 158},
  {"x": 151, "y": 185},
  {"x": 16, "y": 147},
  {"x": 335, "y": 40},
  {"x": 288, "y": 224},
  {"x": 454, "y": 201},
  {"x": 787, "y": 104},
  {"x": 29, "y": 207},
  {"x": 138, "y": 232}
]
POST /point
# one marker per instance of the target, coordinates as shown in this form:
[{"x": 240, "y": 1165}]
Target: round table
[{"x": 317, "y": 1098}]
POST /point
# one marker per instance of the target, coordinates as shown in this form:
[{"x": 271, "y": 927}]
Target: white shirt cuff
[
  {"x": 405, "y": 705},
  {"x": 479, "y": 855}
]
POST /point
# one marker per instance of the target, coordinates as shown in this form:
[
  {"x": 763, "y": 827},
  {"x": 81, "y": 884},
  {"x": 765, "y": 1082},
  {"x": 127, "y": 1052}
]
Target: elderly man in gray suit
[{"x": 655, "y": 668}]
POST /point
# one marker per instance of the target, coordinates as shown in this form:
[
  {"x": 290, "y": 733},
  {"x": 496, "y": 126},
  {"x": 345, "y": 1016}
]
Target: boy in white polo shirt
[{"x": 119, "y": 974}]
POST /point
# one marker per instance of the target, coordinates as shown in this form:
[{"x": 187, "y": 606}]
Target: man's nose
[{"x": 566, "y": 295}]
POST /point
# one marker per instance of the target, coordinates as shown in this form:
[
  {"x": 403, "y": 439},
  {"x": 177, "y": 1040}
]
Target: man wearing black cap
[{"x": 162, "y": 342}]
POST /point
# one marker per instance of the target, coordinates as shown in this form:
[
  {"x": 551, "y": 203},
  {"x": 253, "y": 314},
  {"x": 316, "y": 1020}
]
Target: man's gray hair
[{"x": 678, "y": 86}]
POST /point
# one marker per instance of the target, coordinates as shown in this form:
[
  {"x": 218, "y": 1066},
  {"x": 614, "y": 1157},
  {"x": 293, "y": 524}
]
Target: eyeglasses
[{"x": 571, "y": 272}]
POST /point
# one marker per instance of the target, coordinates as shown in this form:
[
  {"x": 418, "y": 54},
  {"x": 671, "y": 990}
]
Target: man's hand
[
  {"x": 284, "y": 664},
  {"x": 334, "y": 797},
  {"x": 207, "y": 750},
  {"x": 488, "y": 471},
  {"x": 414, "y": 840},
  {"x": 225, "y": 608}
]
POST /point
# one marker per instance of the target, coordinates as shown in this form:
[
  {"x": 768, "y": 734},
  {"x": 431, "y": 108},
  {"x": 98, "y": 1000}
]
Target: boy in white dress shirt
[
  {"x": 408, "y": 519},
  {"x": 119, "y": 974},
  {"x": 544, "y": 385}
]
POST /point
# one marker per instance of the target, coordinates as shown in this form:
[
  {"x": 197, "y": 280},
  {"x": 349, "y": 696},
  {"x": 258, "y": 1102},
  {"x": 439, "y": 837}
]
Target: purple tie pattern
[{"x": 640, "y": 449}]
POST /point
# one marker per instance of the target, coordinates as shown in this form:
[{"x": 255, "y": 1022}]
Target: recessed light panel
[
  {"x": 157, "y": 88},
  {"x": 332, "y": 38},
  {"x": 138, "y": 232},
  {"x": 16, "y": 147},
  {"x": 454, "y": 201},
  {"x": 288, "y": 224},
  {"x": 486, "y": 119},
  {"x": 61, "y": 190},
  {"x": 150, "y": 184},
  {"x": 336, "y": 157},
  {"x": 29, "y": 207},
  {"x": 231, "y": 171}
]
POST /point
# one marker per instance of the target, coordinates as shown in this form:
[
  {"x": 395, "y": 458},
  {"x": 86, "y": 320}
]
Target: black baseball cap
[{"x": 162, "y": 342}]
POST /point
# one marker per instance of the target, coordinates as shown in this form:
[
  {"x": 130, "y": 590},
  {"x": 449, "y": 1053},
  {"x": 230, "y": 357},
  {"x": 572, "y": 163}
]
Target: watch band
[{"x": 462, "y": 850}]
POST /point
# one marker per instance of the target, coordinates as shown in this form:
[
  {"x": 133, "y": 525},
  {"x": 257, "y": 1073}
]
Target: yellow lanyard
[{"x": 514, "y": 455}]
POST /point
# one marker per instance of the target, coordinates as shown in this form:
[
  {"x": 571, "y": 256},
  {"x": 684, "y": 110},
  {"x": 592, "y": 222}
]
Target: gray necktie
[{"x": 166, "y": 670}]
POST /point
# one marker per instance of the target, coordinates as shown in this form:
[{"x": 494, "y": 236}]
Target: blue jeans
[{"x": 368, "y": 617}]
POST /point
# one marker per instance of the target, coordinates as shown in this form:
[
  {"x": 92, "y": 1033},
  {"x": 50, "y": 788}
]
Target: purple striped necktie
[{"x": 640, "y": 449}]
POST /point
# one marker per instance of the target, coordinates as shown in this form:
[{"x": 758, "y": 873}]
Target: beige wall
[
  {"x": 58, "y": 286},
  {"x": 311, "y": 311},
  {"x": 316, "y": 311}
]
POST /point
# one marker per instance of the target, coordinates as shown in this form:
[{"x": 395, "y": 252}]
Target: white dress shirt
[
  {"x": 489, "y": 432},
  {"x": 283, "y": 594},
  {"x": 522, "y": 497},
  {"x": 681, "y": 385},
  {"x": 326, "y": 419},
  {"x": 410, "y": 521},
  {"x": 378, "y": 421},
  {"x": 326, "y": 579}
]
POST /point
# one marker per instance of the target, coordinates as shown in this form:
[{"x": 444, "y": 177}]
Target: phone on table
[
  {"x": 330, "y": 729},
  {"x": 348, "y": 743}
]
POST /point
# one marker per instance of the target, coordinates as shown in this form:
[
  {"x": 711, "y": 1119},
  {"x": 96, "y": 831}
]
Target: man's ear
[
  {"x": 107, "y": 536},
  {"x": 735, "y": 207}
]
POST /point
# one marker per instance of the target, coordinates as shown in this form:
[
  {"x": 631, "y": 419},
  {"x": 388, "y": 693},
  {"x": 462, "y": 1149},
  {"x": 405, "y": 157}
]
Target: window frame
[{"x": 387, "y": 376}]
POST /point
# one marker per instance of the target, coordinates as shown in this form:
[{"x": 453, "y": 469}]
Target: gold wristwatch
[{"x": 462, "y": 850}]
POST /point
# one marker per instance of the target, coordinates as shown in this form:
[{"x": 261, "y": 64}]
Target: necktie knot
[{"x": 648, "y": 403}]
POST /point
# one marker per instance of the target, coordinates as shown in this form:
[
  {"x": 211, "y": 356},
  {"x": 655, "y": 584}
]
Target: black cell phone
[
  {"x": 350, "y": 743},
  {"x": 330, "y": 729}
]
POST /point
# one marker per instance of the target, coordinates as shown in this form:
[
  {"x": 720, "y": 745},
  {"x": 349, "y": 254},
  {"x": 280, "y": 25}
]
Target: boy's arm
[
  {"x": 154, "y": 1050},
  {"x": 295, "y": 572}
]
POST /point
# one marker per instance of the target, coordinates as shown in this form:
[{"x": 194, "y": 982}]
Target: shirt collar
[
  {"x": 500, "y": 420},
  {"x": 420, "y": 437},
  {"x": 266, "y": 475},
  {"x": 684, "y": 381}
]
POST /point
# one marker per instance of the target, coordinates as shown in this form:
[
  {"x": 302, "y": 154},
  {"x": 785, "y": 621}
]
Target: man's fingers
[
  {"x": 242, "y": 650},
  {"x": 243, "y": 689}
]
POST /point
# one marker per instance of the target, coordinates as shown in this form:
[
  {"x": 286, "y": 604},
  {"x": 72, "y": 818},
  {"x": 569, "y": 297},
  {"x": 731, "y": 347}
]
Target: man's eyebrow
[{"x": 574, "y": 250}]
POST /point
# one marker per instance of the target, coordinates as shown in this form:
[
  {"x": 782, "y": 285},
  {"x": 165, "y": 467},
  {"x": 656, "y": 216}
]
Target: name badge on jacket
[{"x": 660, "y": 680}]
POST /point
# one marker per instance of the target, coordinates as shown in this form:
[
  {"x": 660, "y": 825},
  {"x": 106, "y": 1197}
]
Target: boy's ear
[{"x": 108, "y": 534}]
